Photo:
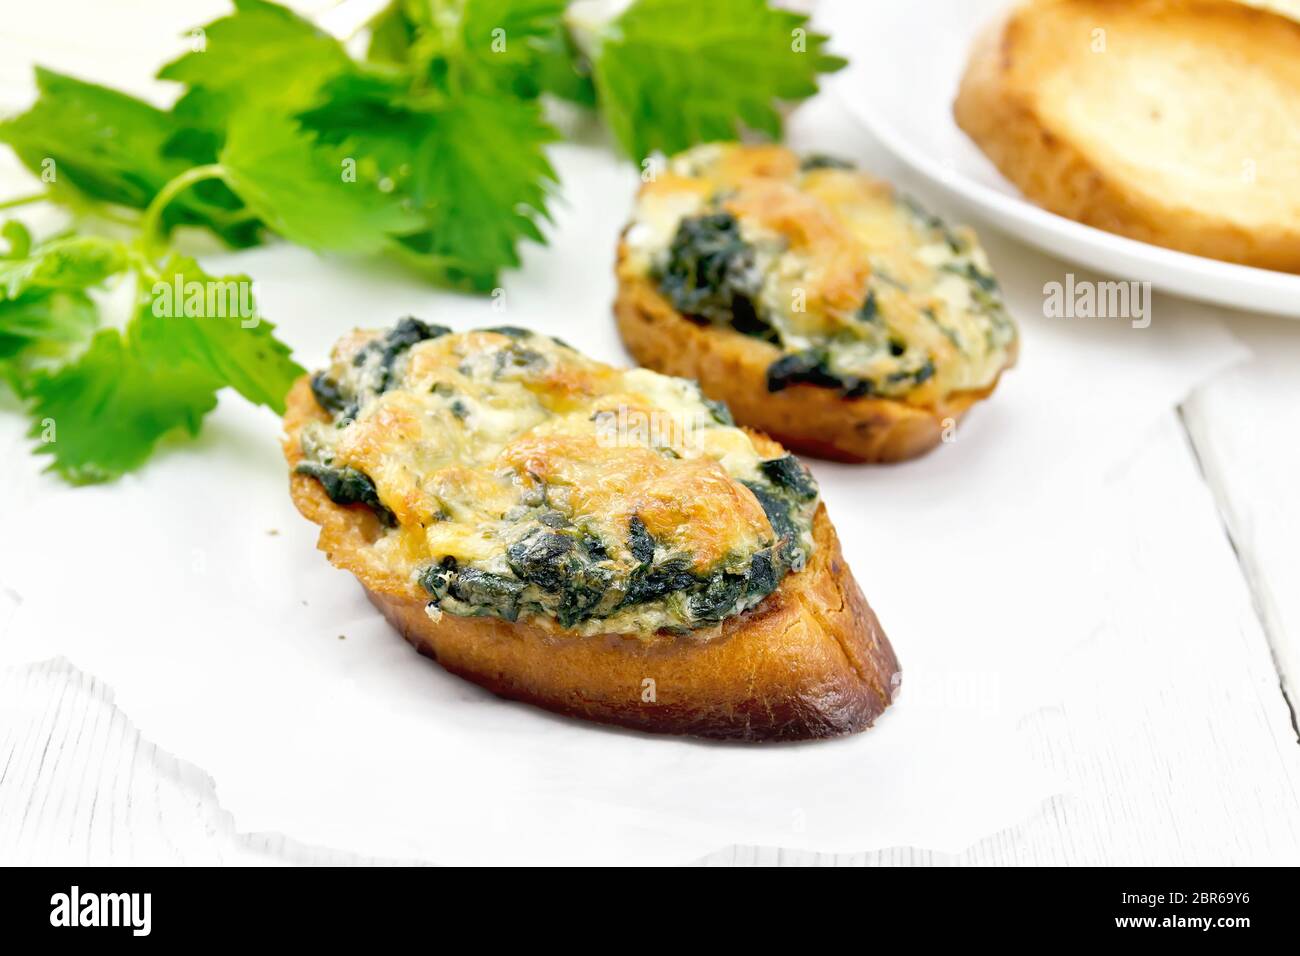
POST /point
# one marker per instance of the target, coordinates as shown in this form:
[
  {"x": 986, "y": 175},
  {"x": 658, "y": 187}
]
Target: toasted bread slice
[
  {"x": 810, "y": 660},
  {"x": 823, "y": 307},
  {"x": 1170, "y": 122},
  {"x": 810, "y": 419}
]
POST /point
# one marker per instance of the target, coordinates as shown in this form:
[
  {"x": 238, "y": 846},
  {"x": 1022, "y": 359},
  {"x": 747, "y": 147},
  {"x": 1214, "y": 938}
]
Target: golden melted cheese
[
  {"x": 889, "y": 294},
  {"x": 468, "y": 438}
]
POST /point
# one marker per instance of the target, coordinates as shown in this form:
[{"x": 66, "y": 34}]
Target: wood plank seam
[{"x": 1253, "y": 581}]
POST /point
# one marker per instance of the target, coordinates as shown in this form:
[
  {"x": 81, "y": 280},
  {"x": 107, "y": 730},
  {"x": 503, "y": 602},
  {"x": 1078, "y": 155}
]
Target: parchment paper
[{"x": 194, "y": 590}]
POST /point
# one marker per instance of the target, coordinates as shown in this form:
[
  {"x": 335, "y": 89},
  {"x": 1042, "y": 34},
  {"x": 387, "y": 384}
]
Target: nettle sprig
[{"x": 430, "y": 148}]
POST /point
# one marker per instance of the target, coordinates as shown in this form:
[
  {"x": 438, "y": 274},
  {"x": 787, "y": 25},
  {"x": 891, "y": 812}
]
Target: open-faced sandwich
[
  {"x": 824, "y": 308},
  {"x": 1175, "y": 122},
  {"x": 601, "y": 542}
]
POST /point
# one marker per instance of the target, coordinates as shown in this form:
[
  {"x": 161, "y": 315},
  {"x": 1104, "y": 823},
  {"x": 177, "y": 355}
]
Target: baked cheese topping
[
  {"x": 860, "y": 288},
  {"x": 515, "y": 477}
]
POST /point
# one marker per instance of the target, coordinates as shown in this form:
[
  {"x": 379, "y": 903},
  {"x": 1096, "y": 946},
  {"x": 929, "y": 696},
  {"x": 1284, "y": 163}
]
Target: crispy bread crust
[
  {"x": 996, "y": 107},
  {"x": 732, "y": 368},
  {"x": 810, "y": 661}
]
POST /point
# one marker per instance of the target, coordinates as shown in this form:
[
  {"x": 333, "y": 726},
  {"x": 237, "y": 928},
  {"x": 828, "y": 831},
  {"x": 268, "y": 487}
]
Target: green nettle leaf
[
  {"x": 515, "y": 46},
  {"x": 102, "y": 415},
  {"x": 212, "y": 323},
  {"x": 373, "y": 113},
  {"x": 474, "y": 167},
  {"x": 66, "y": 262},
  {"x": 506, "y": 29},
  {"x": 49, "y": 315},
  {"x": 306, "y": 194},
  {"x": 88, "y": 142},
  {"x": 673, "y": 73},
  {"x": 45, "y": 320},
  {"x": 560, "y": 71},
  {"x": 102, "y": 143},
  {"x": 262, "y": 57},
  {"x": 193, "y": 334},
  {"x": 44, "y": 308},
  {"x": 262, "y": 54},
  {"x": 481, "y": 174},
  {"x": 392, "y": 32}
]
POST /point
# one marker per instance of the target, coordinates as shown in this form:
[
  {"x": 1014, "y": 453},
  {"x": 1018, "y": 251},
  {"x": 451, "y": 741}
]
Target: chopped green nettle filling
[
  {"x": 547, "y": 554},
  {"x": 559, "y": 570},
  {"x": 374, "y": 365},
  {"x": 712, "y": 274},
  {"x": 347, "y": 486},
  {"x": 723, "y": 270},
  {"x": 374, "y": 370}
]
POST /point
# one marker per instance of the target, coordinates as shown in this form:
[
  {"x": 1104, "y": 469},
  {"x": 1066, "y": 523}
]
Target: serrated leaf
[
  {"x": 44, "y": 308},
  {"x": 373, "y": 111},
  {"x": 673, "y": 73},
  {"x": 262, "y": 53},
  {"x": 65, "y": 262},
  {"x": 89, "y": 142},
  {"x": 263, "y": 58},
  {"x": 59, "y": 316},
  {"x": 213, "y": 323},
  {"x": 192, "y": 335},
  {"x": 103, "y": 143},
  {"x": 303, "y": 192},
  {"x": 102, "y": 415},
  {"x": 482, "y": 176},
  {"x": 516, "y": 47},
  {"x": 475, "y": 168},
  {"x": 41, "y": 322},
  {"x": 39, "y": 326},
  {"x": 561, "y": 71},
  {"x": 391, "y": 34},
  {"x": 504, "y": 43}
]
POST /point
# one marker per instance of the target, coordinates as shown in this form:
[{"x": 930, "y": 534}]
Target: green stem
[
  {"x": 143, "y": 265},
  {"x": 151, "y": 222},
  {"x": 111, "y": 214},
  {"x": 24, "y": 200}
]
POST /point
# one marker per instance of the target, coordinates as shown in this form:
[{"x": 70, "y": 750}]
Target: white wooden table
[{"x": 1178, "y": 774}]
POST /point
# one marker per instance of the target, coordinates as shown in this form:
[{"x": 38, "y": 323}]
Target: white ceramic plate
[{"x": 906, "y": 59}]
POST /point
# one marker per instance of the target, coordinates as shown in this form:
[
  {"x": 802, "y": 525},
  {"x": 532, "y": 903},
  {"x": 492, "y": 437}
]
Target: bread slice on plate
[
  {"x": 1175, "y": 123},
  {"x": 599, "y": 542},
  {"x": 825, "y": 309}
]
